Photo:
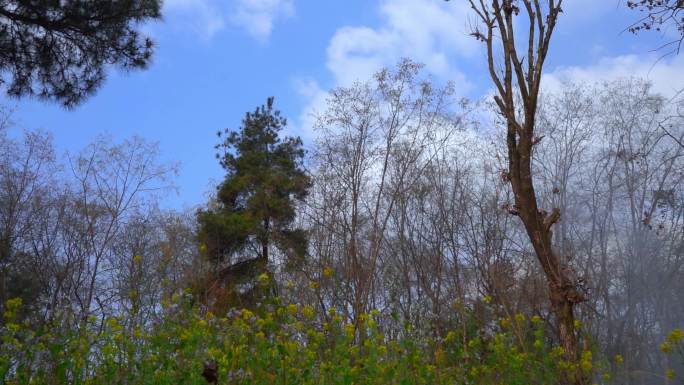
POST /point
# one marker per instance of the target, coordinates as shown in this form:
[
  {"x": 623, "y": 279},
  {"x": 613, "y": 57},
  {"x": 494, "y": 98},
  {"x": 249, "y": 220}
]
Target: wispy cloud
[
  {"x": 203, "y": 17},
  {"x": 663, "y": 73},
  {"x": 427, "y": 31},
  {"x": 434, "y": 33},
  {"x": 258, "y": 17}
]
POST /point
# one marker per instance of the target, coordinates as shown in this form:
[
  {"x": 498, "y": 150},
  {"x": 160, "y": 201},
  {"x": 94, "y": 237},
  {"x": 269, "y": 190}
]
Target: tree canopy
[
  {"x": 255, "y": 205},
  {"x": 60, "y": 50}
]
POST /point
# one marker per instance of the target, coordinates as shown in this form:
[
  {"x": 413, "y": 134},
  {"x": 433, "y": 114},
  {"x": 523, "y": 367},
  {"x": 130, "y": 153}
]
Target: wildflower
[
  {"x": 619, "y": 359},
  {"x": 536, "y": 319},
  {"x": 313, "y": 285},
  {"x": 488, "y": 298},
  {"x": 349, "y": 330},
  {"x": 676, "y": 336},
  {"x": 586, "y": 361},
  {"x": 665, "y": 348},
  {"x": 137, "y": 259},
  {"x": 537, "y": 344},
  {"x": 263, "y": 278},
  {"x": 328, "y": 272},
  {"x": 11, "y": 308},
  {"x": 670, "y": 374},
  {"x": 292, "y": 309},
  {"x": 382, "y": 350},
  {"x": 557, "y": 352},
  {"x": 520, "y": 317},
  {"x": 308, "y": 311}
]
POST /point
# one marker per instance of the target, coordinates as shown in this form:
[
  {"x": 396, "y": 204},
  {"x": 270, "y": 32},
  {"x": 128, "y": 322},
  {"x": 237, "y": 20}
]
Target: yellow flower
[
  {"x": 520, "y": 317},
  {"x": 578, "y": 324},
  {"x": 292, "y": 309},
  {"x": 308, "y": 311},
  {"x": 537, "y": 344},
  {"x": 136, "y": 259},
  {"x": 665, "y": 347},
  {"x": 349, "y": 330},
  {"x": 586, "y": 361},
  {"x": 676, "y": 336},
  {"x": 328, "y": 272},
  {"x": 536, "y": 319},
  {"x": 488, "y": 298},
  {"x": 557, "y": 352},
  {"x": 247, "y": 314},
  {"x": 263, "y": 278},
  {"x": 313, "y": 285},
  {"x": 619, "y": 359},
  {"x": 670, "y": 374}
]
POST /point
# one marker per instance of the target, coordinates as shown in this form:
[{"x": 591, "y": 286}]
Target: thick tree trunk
[{"x": 563, "y": 294}]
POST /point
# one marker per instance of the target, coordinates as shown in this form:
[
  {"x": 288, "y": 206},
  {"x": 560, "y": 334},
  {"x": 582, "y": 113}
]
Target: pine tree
[
  {"x": 254, "y": 209},
  {"x": 60, "y": 50}
]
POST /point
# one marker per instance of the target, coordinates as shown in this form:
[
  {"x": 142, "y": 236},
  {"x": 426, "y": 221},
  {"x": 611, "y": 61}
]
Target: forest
[{"x": 534, "y": 235}]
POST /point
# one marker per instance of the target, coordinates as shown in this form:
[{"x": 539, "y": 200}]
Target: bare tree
[
  {"x": 375, "y": 140},
  {"x": 660, "y": 14},
  {"x": 521, "y": 75}
]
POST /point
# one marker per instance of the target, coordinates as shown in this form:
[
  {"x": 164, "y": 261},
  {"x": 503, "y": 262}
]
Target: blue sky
[{"x": 216, "y": 59}]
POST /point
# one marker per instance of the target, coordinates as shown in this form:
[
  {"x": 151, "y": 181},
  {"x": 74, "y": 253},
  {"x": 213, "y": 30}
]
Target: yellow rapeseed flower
[
  {"x": 308, "y": 311},
  {"x": 670, "y": 374},
  {"x": 292, "y": 309},
  {"x": 665, "y": 348},
  {"x": 676, "y": 336},
  {"x": 263, "y": 278},
  {"x": 349, "y": 330}
]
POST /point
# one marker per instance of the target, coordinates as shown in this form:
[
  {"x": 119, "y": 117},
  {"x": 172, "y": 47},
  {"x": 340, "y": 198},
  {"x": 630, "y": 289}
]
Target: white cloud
[
  {"x": 432, "y": 32},
  {"x": 428, "y": 31},
  {"x": 207, "y": 17},
  {"x": 257, "y": 17},
  {"x": 315, "y": 98},
  {"x": 203, "y": 17},
  {"x": 665, "y": 74}
]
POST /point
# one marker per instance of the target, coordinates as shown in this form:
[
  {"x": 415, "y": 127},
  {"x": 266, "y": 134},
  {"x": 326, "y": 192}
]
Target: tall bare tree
[{"x": 518, "y": 86}]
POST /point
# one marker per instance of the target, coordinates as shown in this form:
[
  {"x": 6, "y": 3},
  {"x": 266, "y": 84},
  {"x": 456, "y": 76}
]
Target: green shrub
[{"x": 279, "y": 344}]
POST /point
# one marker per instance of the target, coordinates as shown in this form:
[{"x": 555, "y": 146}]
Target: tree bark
[{"x": 518, "y": 86}]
